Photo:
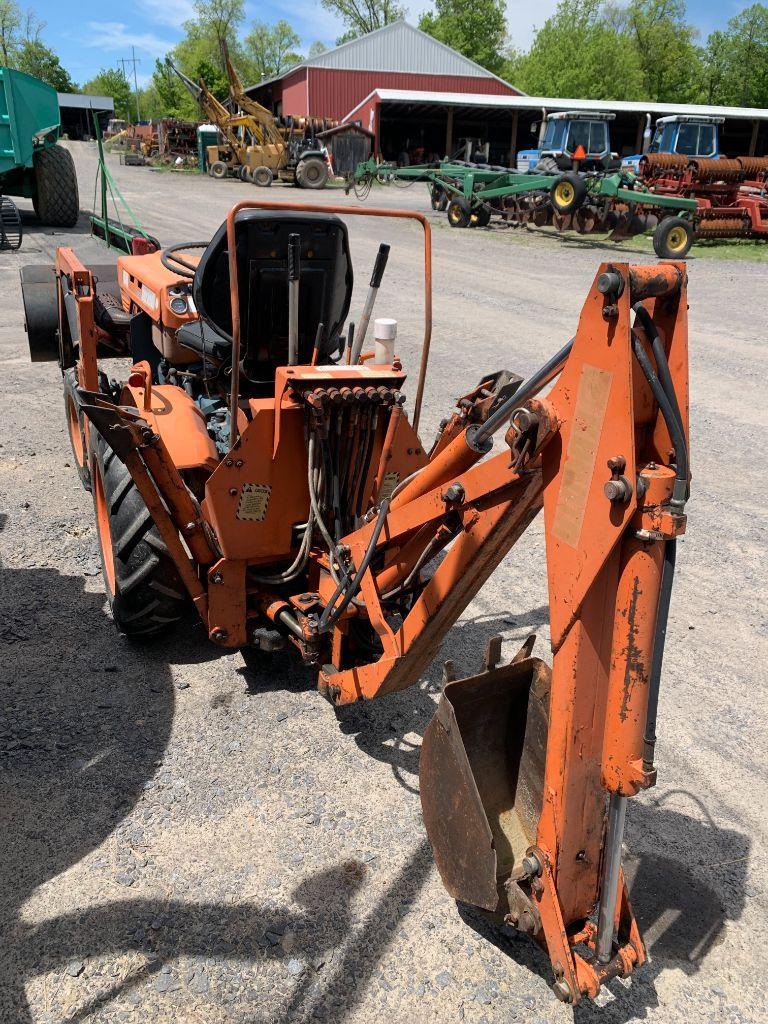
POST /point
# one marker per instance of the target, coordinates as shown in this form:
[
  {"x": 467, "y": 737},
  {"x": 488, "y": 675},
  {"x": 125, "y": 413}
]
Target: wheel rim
[
  {"x": 564, "y": 193},
  {"x": 75, "y": 434},
  {"x": 102, "y": 526},
  {"x": 677, "y": 239}
]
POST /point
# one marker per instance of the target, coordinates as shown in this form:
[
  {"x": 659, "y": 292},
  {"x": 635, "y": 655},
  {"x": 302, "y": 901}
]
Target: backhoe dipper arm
[
  {"x": 605, "y": 454},
  {"x": 212, "y": 109}
]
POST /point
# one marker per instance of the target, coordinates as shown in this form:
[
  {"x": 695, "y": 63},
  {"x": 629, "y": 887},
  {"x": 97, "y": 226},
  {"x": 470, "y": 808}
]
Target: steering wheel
[{"x": 173, "y": 262}]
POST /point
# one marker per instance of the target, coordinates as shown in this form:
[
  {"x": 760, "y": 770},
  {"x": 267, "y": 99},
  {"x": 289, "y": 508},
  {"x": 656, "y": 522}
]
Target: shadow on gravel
[
  {"x": 79, "y": 737},
  {"x": 686, "y": 878},
  {"x": 381, "y": 727}
]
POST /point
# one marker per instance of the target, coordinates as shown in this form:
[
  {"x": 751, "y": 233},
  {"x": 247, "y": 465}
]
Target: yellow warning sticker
[{"x": 254, "y": 501}]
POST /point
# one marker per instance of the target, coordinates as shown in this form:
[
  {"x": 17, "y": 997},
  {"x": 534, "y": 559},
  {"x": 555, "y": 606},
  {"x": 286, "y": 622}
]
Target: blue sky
[{"x": 104, "y": 33}]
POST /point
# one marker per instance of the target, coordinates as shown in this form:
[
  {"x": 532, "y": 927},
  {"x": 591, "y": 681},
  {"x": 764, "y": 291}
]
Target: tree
[
  {"x": 363, "y": 16},
  {"x": 112, "y": 83},
  {"x": 271, "y": 49},
  {"x": 35, "y": 58},
  {"x": 601, "y": 63},
  {"x": 736, "y": 60},
  {"x": 476, "y": 28},
  {"x": 10, "y": 25},
  {"x": 317, "y": 48},
  {"x": 665, "y": 46},
  {"x": 169, "y": 97},
  {"x": 221, "y": 18}
]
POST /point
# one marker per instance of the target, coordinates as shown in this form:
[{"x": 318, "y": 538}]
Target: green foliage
[
  {"x": 271, "y": 49},
  {"x": 35, "y": 58},
  {"x": 736, "y": 60},
  {"x": 317, "y": 48},
  {"x": 577, "y": 53},
  {"x": 665, "y": 45},
  {"x": 476, "y": 28},
  {"x": 10, "y": 29},
  {"x": 110, "y": 82},
  {"x": 362, "y": 16}
]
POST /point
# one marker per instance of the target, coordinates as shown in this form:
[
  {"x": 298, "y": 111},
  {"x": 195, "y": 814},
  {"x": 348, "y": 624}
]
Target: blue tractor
[
  {"x": 564, "y": 135},
  {"x": 686, "y": 135}
]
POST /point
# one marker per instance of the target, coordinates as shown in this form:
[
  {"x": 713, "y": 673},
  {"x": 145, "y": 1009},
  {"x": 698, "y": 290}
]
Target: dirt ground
[{"x": 185, "y": 842}]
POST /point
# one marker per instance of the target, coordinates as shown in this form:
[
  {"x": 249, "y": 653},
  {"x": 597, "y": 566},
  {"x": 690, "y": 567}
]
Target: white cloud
[
  {"x": 167, "y": 12},
  {"x": 115, "y": 35}
]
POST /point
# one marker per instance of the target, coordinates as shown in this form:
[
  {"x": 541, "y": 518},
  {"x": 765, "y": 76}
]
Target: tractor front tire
[
  {"x": 56, "y": 200},
  {"x": 76, "y": 428},
  {"x": 218, "y": 170},
  {"x": 672, "y": 238},
  {"x": 144, "y": 590},
  {"x": 312, "y": 173}
]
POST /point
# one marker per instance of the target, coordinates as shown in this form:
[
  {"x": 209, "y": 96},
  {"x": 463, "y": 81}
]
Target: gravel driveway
[{"x": 185, "y": 841}]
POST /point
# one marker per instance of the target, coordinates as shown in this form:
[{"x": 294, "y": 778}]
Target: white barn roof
[
  {"x": 396, "y": 47},
  {"x": 549, "y": 103}
]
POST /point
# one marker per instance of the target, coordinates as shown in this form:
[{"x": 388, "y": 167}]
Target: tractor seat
[{"x": 325, "y": 288}]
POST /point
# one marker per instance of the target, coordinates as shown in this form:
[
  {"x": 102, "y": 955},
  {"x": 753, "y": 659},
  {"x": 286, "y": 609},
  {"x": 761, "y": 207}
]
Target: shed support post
[
  {"x": 449, "y": 133},
  {"x": 513, "y": 139},
  {"x": 753, "y": 140}
]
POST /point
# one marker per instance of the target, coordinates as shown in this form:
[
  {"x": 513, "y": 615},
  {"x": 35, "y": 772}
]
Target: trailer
[{"x": 32, "y": 164}]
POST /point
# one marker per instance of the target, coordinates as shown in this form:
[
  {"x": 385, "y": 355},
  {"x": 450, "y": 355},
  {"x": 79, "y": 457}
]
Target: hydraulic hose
[
  {"x": 673, "y": 423},
  {"x": 527, "y": 390},
  {"x": 331, "y": 615},
  {"x": 660, "y": 635},
  {"x": 662, "y": 366}
]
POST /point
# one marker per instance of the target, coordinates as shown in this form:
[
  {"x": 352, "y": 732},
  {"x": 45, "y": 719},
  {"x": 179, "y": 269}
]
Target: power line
[{"x": 134, "y": 60}]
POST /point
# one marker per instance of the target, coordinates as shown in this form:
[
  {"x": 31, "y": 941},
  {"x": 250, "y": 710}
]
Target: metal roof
[
  {"x": 85, "y": 102},
  {"x": 396, "y": 47},
  {"x": 550, "y": 103}
]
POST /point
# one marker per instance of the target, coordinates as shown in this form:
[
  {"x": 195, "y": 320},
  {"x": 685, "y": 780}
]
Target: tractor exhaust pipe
[
  {"x": 373, "y": 290},
  {"x": 294, "y": 272}
]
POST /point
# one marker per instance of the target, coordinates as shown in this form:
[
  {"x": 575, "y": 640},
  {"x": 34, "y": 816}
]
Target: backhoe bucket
[{"x": 481, "y": 778}]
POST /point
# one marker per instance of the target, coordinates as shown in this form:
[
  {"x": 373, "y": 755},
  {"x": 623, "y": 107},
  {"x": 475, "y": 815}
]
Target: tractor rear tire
[
  {"x": 262, "y": 176},
  {"x": 56, "y": 200},
  {"x": 144, "y": 590},
  {"x": 218, "y": 170},
  {"x": 672, "y": 238},
  {"x": 76, "y": 428},
  {"x": 568, "y": 193},
  {"x": 312, "y": 173}
]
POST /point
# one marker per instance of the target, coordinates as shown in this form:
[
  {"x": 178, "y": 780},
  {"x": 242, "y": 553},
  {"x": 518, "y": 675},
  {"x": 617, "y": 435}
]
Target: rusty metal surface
[
  {"x": 753, "y": 166},
  {"x": 717, "y": 170},
  {"x": 481, "y": 776},
  {"x": 654, "y": 163}
]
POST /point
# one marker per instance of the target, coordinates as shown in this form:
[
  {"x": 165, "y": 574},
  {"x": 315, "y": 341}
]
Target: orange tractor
[{"x": 257, "y": 469}]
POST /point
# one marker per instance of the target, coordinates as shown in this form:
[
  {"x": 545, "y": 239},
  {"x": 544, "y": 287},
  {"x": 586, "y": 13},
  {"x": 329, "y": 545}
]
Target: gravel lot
[{"x": 183, "y": 841}]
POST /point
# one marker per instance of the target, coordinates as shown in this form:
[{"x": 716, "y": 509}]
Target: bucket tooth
[{"x": 481, "y": 778}]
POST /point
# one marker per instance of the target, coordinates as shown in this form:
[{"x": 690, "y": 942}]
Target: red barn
[{"x": 336, "y": 83}]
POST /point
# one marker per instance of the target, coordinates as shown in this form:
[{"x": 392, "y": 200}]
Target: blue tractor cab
[
  {"x": 692, "y": 136},
  {"x": 564, "y": 133}
]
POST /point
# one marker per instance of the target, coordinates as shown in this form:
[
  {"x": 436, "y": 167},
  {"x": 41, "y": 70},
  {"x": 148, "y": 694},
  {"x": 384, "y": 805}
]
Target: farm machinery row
[{"x": 680, "y": 200}]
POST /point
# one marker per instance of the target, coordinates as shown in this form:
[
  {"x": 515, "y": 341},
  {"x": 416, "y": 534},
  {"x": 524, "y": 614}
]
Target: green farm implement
[{"x": 473, "y": 195}]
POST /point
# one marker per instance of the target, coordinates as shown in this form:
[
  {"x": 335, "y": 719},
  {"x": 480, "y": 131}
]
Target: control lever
[
  {"x": 294, "y": 271},
  {"x": 378, "y": 272}
]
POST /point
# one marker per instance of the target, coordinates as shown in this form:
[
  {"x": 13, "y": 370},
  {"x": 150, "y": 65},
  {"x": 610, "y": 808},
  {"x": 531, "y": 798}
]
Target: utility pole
[{"x": 133, "y": 59}]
